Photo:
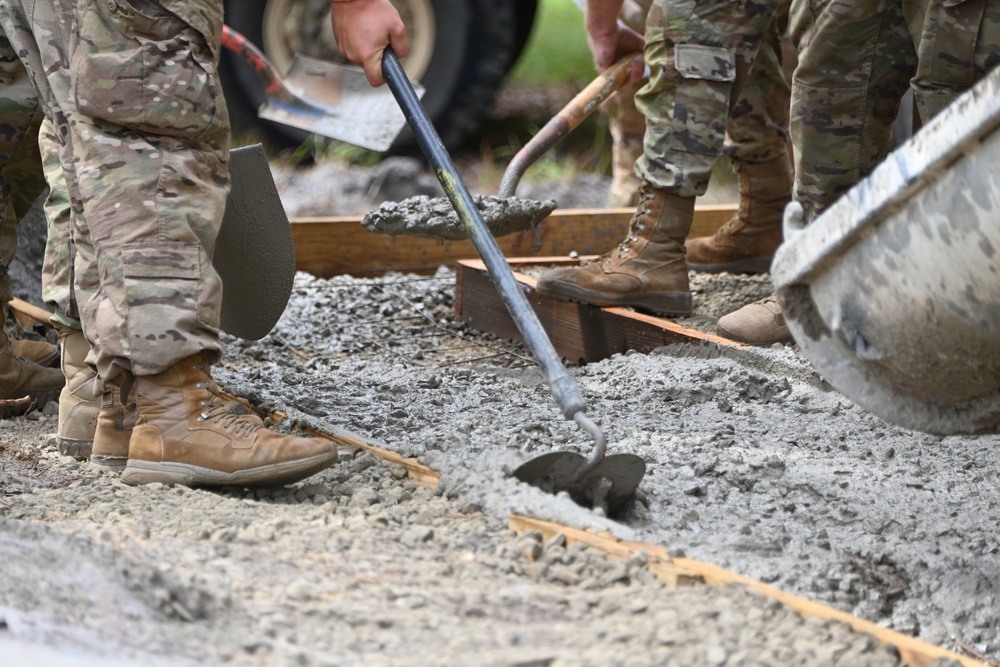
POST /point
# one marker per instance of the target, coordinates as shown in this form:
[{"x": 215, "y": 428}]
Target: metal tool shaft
[{"x": 563, "y": 388}]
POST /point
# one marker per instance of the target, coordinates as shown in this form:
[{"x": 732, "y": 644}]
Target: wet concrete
[
  {"x": 435, "y": 218},
  {"x": 754, "y": 463}
]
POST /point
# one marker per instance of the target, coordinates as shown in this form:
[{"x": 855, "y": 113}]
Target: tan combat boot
[
  {"x": 20, "y": 378},
  {"x": 758, "y": 323},
  {"x": 646, "y": 270},
  {"x": 79, "y": 402},
  {"x": 41, "y": 352},
  {"x": 115, "y": 423},
  {"x": 746, "y": 243},
  {"x": 187, "y": 434},
  {"x": 117, "y": 418}
]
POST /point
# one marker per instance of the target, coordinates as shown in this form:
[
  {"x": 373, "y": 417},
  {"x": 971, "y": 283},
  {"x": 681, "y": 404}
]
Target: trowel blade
[
  {"x": 254, "y": 252},
  {"x": 617, "y": 476},
  {"x": 337, "y": 101}
]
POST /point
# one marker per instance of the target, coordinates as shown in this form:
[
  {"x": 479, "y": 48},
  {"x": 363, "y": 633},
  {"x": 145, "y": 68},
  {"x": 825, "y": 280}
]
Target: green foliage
[{"x": 556, "y": 52}]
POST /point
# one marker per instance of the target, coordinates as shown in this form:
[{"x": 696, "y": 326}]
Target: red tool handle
[{"x": 248, "y": 51}]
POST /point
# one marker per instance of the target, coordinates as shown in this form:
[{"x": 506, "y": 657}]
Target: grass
[{"x": 556, "y": 52}]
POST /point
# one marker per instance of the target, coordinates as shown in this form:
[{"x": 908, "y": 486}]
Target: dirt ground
[{"x": 754, "y": 464}]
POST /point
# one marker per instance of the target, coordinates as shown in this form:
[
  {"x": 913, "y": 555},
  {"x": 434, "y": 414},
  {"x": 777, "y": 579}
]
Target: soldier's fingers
[
  {"x": 373, "y": 69},
  {"x": 397, "y": 38}
]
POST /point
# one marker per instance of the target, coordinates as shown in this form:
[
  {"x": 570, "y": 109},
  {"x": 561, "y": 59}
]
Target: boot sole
[
  {"x": 750, "y": 265},
  {"x": 663, "y": 303},
  {"x": 78, "y": 449},
  {"x": 278, "y": 474},
  {"x": 726, "y": 333},
  {"x": 108, "y": 463}
]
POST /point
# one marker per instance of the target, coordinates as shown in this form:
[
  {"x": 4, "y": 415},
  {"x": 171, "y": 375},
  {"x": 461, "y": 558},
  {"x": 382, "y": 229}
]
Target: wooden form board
[
  {"x": 676, "y": 572},
  {"x": 335, "y": 245},
  {"x": 578, "y": 332}
]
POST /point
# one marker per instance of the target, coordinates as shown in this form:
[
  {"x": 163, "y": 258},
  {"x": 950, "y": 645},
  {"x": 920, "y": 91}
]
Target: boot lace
[
  {"x": 231, "y": 416},
  {"x": 636, "y": 225}
]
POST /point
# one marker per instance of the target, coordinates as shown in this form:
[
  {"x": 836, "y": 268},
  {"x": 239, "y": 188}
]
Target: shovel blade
[{"x": 336, "y": 101}]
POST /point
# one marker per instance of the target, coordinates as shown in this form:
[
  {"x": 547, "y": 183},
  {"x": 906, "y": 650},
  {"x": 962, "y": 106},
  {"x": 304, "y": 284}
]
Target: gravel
[{"x": 754, "y": 463}]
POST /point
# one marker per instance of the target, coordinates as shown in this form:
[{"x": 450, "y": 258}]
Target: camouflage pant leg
[
  {"x": 757, "y": 130},
  {"x": 627, "y": 127},
  {"x": 57, "y": 266},
  {"x": 855, "y": 62},
  {"x": 138, "y": 110},
  {"x": 700, "y": 56},
  {"x": 959, "y": 44},
  {"x": 21, "y": 179}
]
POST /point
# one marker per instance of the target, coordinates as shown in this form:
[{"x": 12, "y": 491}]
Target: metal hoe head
[
  {"x": 609, "y": 486},
  {"x": 336, "y": 101}
]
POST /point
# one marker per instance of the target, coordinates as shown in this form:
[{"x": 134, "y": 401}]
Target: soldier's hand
[
  {"x": 608, "y": 48},
  {"x": 609, "y": 39},
  {"x": 363, "y": 29}
]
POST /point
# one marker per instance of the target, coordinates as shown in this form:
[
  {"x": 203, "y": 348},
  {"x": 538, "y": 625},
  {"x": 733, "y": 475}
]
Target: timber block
[{"x": 579, "y": 332}]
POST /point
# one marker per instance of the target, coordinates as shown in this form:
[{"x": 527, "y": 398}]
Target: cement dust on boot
[
  {"x": 647, "y": 270},
  {"x": 748, "y": 241},
  {"x": 186, "y": 433},
  {"x": 758, "y": 323}
]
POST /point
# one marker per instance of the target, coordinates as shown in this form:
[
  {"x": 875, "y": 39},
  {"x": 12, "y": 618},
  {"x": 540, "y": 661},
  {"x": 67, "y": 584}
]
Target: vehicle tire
[{"x": 460, "y": 51}]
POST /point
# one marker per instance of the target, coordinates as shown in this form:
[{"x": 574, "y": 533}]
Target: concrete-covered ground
[{"x": 754, "y": 463}]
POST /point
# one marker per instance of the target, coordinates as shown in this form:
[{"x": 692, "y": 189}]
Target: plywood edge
[
  {"x": 418, "y": 473},
  {"x": 681, "y": 571},
  {"x": 332, "y": 245}
]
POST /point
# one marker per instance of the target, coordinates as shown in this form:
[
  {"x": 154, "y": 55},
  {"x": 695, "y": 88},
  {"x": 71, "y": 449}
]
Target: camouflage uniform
[
  {"x": 133, "y": 93},
  {"x": 21, "y": 178},
  {"x": 717, "y": 86},
  {"x": 57, "y": 266},
  {"x": 857, "y": 59}
]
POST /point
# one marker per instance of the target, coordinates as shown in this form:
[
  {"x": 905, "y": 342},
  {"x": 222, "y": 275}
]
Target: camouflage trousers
[
  {"x": 21, "y": 178},
  {"x": 857, "y": 59},
  {"x": 716, "y": 86},
  {"x": 141, "y": 135}
]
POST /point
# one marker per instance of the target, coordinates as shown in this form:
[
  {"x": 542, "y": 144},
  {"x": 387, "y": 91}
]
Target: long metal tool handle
[{"x": 563, "y": 388}]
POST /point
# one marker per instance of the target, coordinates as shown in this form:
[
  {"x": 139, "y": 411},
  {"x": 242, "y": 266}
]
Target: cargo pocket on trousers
[
  {"x": 143, "y": 68},
  {"x": 705, "y": 76},
  {"x": 162, "y": 288}
]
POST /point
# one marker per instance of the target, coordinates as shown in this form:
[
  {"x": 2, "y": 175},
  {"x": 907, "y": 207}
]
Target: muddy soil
[{"x": 754, "y": 463}]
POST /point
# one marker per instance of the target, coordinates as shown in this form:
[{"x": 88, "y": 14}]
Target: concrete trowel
[
  {"x": 254, "y": 252},
  {"x": 605, "y": 482}
]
